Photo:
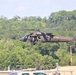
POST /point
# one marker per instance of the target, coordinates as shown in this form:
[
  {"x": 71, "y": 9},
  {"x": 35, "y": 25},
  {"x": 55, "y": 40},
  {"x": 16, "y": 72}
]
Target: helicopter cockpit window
[{"x": 26, "y": 36}]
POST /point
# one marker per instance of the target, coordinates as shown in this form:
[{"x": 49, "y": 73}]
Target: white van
[{"x": 28, "y": 73}]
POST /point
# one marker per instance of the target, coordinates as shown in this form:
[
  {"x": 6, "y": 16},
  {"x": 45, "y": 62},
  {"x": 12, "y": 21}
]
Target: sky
[{"x": 42, "y": 8}]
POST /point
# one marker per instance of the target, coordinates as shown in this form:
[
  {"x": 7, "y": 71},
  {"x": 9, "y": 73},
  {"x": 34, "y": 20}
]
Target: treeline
[{"x": 18, "y": 55}]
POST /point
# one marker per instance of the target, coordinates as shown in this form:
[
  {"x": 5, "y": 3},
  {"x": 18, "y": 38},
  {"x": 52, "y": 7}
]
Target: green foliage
[{"x": 17, "y": 54}]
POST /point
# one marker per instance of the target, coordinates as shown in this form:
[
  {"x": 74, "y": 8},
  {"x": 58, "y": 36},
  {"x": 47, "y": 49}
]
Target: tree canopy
[{"x": 18, "y": 55}]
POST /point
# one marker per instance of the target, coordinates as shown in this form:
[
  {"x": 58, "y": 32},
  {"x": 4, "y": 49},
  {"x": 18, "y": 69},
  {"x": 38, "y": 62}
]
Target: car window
[
  {"x": 25, "y": 73},
  {"x": 39, "y": 74}
]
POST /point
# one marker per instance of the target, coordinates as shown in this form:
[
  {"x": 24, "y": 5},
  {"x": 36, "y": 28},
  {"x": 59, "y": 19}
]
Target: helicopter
[{"x": 34, "y": 37}]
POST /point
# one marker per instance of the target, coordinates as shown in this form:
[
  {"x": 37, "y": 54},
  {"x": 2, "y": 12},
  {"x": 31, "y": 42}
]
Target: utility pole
[{"x": 70, "y": 55}]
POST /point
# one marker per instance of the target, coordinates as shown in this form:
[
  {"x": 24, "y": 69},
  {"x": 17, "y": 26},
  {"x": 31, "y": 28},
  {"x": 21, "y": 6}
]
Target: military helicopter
[{"x": 44, "y": 37}]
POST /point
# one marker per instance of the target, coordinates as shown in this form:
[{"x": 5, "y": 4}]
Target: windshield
[
  {"x": 25, "y": 74},
  {"x": 26, "y": 36},
  {"x": 39, "y": 74}
]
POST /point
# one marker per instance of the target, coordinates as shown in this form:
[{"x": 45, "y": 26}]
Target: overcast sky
[{"x": 42, "y": 8}]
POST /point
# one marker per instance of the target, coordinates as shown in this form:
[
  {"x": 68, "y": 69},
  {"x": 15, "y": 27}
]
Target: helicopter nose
[{"x": 22, "y": 38}]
